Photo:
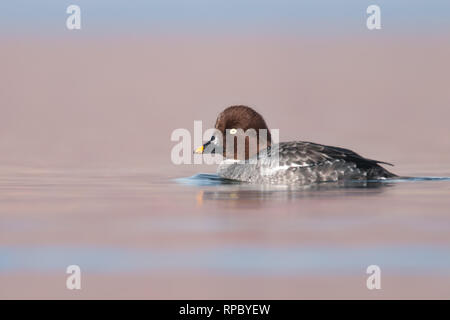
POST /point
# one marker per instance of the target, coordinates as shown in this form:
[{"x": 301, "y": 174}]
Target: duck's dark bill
[{"x": 208, "y": 147}]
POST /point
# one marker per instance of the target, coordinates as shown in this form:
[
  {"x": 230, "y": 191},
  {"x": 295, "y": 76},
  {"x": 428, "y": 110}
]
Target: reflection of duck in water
[
  {"x": 296, "y": 162},
  {"x": 256, "y": 195}
]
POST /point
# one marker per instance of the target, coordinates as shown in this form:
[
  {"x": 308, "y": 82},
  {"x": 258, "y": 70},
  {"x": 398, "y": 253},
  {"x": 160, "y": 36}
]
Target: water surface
[{"x": 123, "y": 226}]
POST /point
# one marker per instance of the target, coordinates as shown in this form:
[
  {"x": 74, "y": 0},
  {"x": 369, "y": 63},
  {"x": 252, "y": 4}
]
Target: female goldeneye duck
[{"x": 295, "y": 162}]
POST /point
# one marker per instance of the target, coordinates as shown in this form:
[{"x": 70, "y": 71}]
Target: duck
[{"x": 292, "y": 162}]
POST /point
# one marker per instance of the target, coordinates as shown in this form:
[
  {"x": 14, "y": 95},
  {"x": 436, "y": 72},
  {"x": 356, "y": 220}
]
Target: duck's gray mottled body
[{"x": 301, "y": 162}]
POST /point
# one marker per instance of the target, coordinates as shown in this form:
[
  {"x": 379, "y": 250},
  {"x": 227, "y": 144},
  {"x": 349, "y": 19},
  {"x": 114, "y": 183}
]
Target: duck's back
[{"x": 303, "y": 163}]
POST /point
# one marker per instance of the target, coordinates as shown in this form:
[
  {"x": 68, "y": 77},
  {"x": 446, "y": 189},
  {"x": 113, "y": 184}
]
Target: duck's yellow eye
[{"x": 233, "y": 131}]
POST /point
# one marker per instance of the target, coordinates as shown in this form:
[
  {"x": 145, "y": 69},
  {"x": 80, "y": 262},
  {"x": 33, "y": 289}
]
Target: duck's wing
[{"x": 303, "y": 154}]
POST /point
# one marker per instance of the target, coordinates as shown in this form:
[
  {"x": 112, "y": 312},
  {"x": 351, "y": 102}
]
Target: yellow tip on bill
[{"x": 199, "y": 150}]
